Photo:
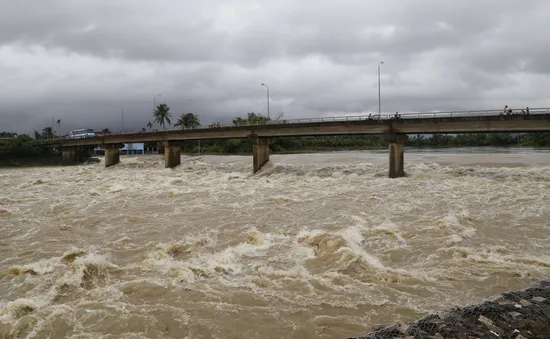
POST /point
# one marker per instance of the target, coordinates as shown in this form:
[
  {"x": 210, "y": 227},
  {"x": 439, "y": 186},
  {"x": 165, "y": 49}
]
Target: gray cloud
[{"x": 79, "y": 60}]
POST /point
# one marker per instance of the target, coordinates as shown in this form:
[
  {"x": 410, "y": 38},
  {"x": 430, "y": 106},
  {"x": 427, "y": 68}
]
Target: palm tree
[
  {"x": 188, "y": 120},
  {"x": 149, "y": 125},
  {"x": 59, "y": 127},
  {"x": 48, "y": 133},
  {"x": 162, "y": 115}
]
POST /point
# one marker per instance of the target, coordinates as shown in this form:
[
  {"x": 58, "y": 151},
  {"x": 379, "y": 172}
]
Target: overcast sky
[{"x": 77, "y": 60}]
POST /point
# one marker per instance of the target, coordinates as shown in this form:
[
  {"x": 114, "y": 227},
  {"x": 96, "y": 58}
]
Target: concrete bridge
[{"x": 260, "y": 135}]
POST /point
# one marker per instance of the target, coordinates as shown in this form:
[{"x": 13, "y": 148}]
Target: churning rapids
[{"x": 313, "y": 246}]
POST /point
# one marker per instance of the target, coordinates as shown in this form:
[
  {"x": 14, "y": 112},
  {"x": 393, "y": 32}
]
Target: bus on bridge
[{"x": 82, "y": 133}]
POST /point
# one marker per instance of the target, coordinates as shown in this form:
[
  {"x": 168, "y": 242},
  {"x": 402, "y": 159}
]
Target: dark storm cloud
[{"x": 79, "y": 60}]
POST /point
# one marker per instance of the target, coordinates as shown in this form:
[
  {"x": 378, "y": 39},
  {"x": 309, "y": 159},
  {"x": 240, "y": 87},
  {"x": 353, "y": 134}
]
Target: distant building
[{"x": 136, "y": 148}]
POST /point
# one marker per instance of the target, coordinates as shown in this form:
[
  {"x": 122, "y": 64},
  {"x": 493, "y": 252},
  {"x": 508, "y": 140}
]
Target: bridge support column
[
  {"x": 112, "y": 154},
  {"x": 68, "y": 156},
  {"x": 397, "y": 160},
  {"x": 172, "y": 154},
  {"x": 260, "y": 153}
]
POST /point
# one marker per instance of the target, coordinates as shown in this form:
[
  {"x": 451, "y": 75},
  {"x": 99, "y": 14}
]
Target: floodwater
[{"x": 313, "y": 246}]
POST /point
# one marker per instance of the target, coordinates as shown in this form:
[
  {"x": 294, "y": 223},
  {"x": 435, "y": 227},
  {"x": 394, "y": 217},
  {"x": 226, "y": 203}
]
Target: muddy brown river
[{"x": 313, "y": 246}]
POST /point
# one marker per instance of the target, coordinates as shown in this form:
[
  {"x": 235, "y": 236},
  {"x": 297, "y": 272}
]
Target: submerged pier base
[
  {"x": 397, "y": 159},
  {"x": 260, "y": 153},
  {"x": 112, "y": 154},
  {"x": 68, "y": 156},
  {"x": 172, "y": 154}
]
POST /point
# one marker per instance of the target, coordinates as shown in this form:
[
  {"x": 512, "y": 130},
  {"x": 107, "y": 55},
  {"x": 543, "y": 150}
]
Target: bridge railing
[
  {"x": 382, "y": 117},
  {"x": 407, "y": 115}
]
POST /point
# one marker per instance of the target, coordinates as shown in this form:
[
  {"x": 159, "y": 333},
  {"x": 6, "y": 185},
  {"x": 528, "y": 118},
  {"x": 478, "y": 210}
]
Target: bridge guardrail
[{"x": 375, "y": 117}]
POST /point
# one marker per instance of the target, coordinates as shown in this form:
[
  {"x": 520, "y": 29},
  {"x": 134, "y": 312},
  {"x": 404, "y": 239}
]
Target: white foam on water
[{"x": 307, "y": 239}]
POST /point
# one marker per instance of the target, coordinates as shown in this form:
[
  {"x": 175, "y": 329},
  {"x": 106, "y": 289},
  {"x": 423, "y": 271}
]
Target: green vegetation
[
  {"x": 162, "y": 115},
  {"x": 188, "y": 120},
  {"x": 463, "y": 140},
  {"x": 370, "y": 142},
  {"x": 536, "y": 140},
  {"x": 252, "y": 118},
  {"x": 47, "y": 133},
  {"x": 22, "y": 150}
]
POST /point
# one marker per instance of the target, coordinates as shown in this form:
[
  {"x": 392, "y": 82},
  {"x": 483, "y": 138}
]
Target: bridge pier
[
  {"x": 260, "y": 153},
  {"x": 397, "y": 160},
  {"x": 68, "y": 156},
  {"x": 172, "y": 154},
  {"x": 112, "y": 154}
]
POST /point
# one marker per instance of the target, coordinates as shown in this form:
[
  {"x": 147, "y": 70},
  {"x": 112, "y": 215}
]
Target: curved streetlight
[
  {"x": 267, "y": 99},
  {"x": 379, "y": 102},
  {"x": 155, "y": 100},
  {"x": 122, "y": 114}
]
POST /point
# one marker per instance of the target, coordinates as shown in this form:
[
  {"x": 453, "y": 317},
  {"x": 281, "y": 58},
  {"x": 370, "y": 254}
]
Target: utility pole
[
  {"x": 122, "y": 122},
  {"x": 267, "y": 100},
  {"x": 379, "y": 101}
]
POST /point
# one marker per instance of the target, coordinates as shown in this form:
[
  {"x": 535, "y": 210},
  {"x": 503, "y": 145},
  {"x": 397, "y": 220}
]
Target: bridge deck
[{"x": 409, "y": 125}]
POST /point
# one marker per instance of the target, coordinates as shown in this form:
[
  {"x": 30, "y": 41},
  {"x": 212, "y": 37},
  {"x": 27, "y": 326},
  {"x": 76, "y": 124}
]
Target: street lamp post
[
  {"x": 379, "y": 102},
  {"x": 267, "y": 99},
  {"x": 122, "y": 116},
  {"x": 155, "y": 100}
]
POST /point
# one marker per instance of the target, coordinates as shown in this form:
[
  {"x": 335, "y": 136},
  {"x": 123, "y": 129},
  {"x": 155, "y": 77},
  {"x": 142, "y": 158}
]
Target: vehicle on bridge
[
  {"x": 103, "y": 133},
  {"x": 82, "y": 133}
]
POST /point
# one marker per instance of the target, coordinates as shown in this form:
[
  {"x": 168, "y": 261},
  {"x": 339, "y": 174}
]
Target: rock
[
  {"x": 496, "y": 318},
  {"x": 497, "y": 330},
  {"x": 505, "y": 302},
  {"x": 488, "y": 322},
  {"x": 525, "y": 303}
]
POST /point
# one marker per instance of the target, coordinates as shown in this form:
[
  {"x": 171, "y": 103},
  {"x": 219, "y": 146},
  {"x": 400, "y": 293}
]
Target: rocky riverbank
[{"x": 518, "y": 315}]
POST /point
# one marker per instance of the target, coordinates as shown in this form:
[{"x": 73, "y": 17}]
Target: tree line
[
  {"x": 17, "y": 149},
  {"x": 363, "y": 142}
]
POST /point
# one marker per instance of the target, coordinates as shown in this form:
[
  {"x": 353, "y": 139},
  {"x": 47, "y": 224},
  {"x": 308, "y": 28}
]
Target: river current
[{"x": 313, "y": 246}]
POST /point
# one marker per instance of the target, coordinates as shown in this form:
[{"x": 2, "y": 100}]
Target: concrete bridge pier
[
  {"x": 260, "y": 152},
  {"x": 397, "y": 160},
  {"x": 172, "y": 154},
  {"x": 112, "y": 154},
  {"x": 68, "y": 156}
]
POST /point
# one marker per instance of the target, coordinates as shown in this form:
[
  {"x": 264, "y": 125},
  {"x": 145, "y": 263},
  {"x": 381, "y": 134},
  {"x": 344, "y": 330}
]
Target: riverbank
[
  {"x": 521, "y": 314},
  {"x": 41, "y": 162},
  {"x": 30, "y": 162}
]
